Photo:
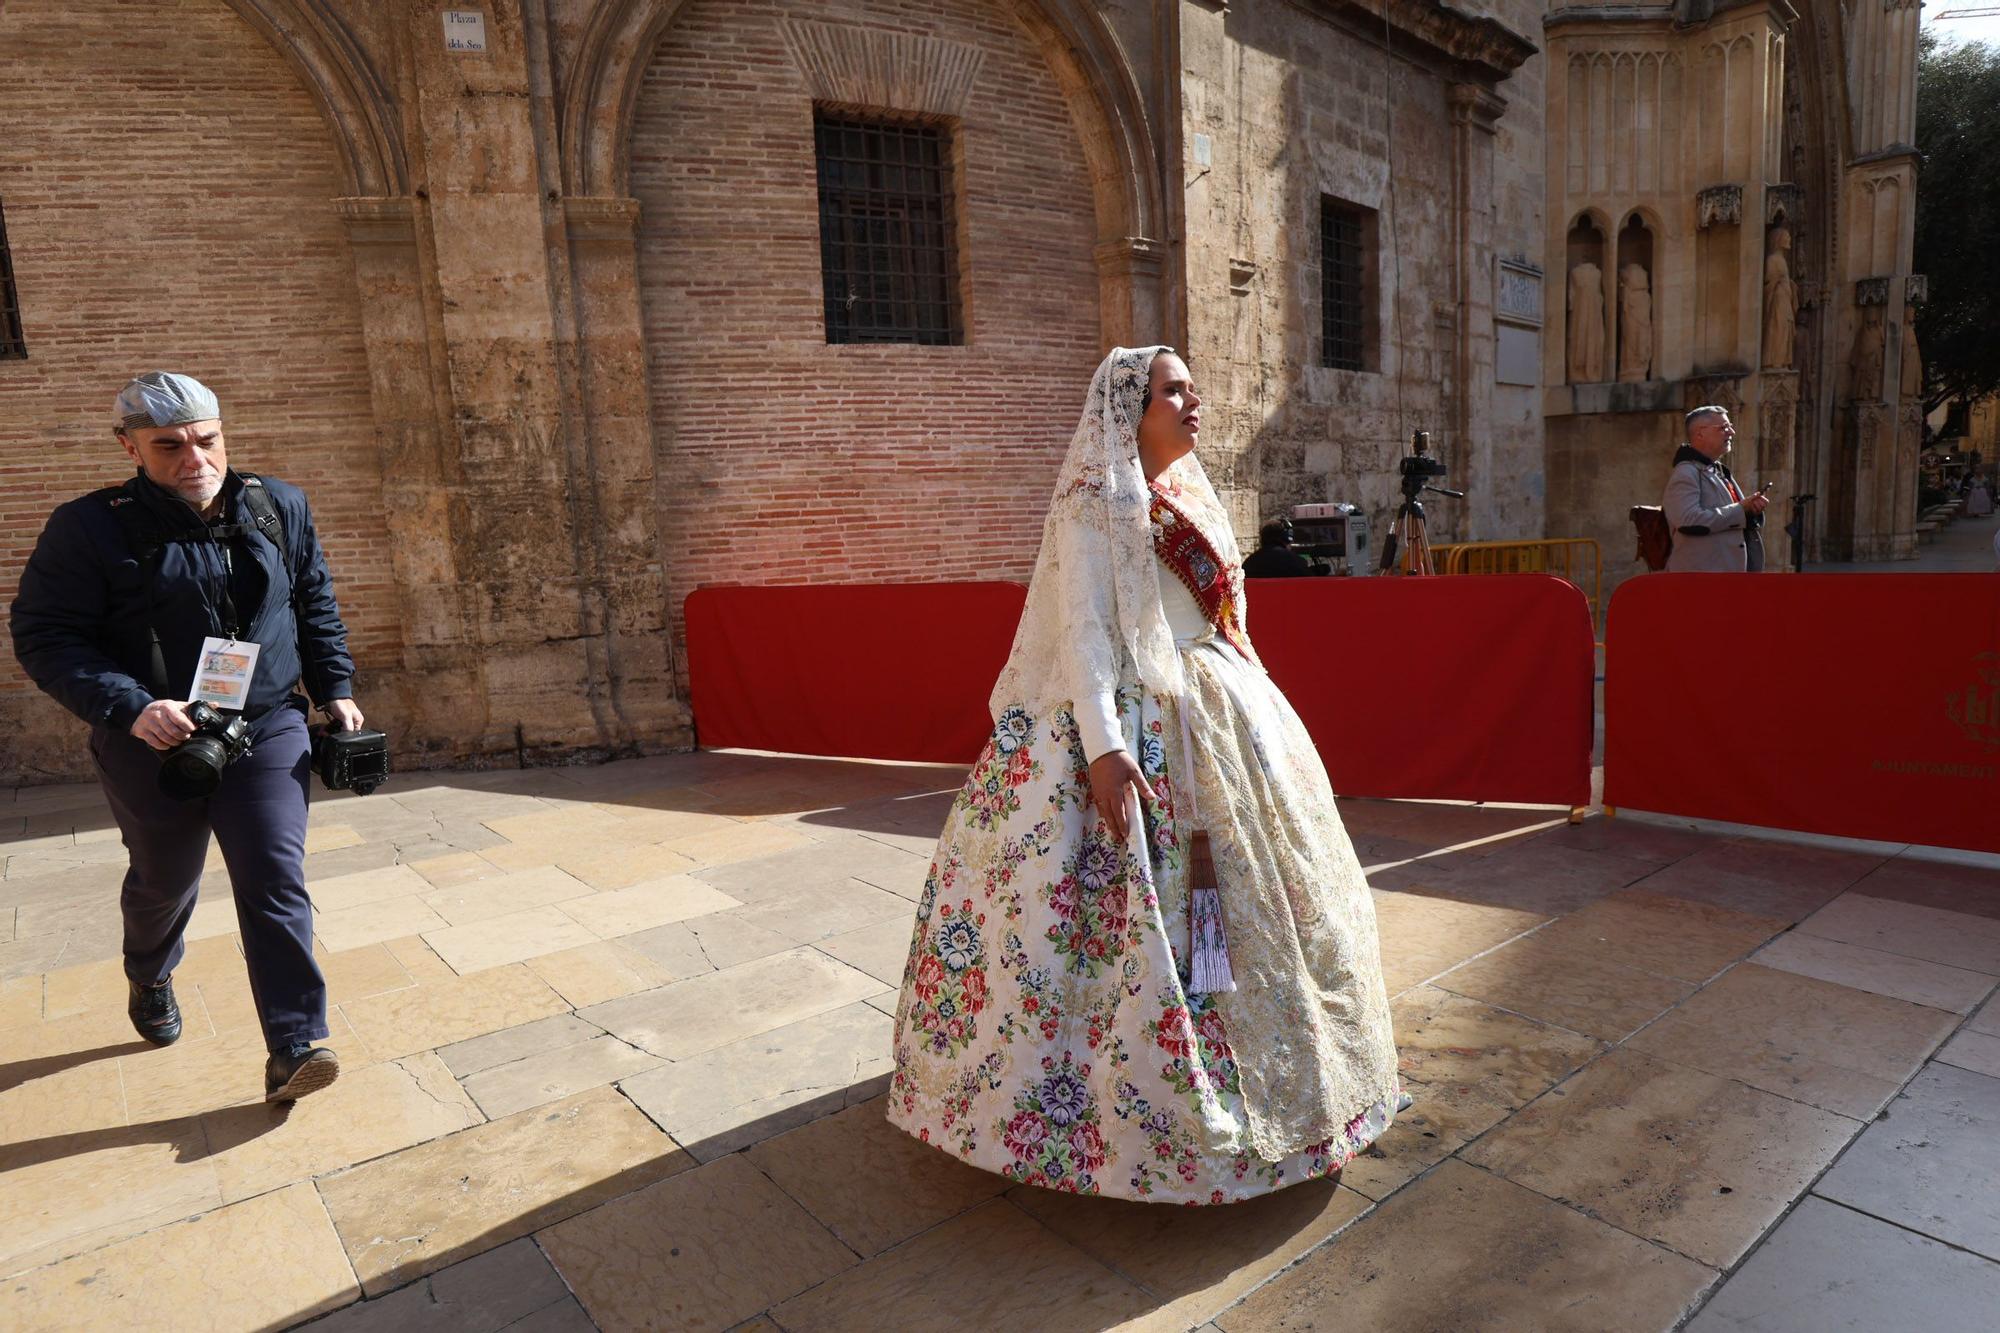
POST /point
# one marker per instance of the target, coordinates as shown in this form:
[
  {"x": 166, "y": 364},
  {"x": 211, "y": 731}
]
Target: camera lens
[{"x": 193, "y": 769}]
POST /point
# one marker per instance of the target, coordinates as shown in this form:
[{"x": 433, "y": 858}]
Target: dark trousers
[{"x": 259, "y": 818}]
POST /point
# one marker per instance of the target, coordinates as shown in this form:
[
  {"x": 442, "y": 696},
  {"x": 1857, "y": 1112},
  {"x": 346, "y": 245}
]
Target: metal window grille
[
  {"x": 887, "y": 246},
  {"x": 12, "y": 342},
  {"x": 1340, "y": 285}
]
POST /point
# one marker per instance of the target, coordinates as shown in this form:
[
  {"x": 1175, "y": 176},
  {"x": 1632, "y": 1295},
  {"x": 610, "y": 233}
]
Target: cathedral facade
[{"x": 560, "y": 309}]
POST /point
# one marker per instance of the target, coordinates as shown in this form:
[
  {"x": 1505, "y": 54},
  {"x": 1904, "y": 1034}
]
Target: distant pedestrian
[{"x": 1979, "y": 496}]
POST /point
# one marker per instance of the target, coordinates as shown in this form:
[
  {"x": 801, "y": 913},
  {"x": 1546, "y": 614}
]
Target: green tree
[{"x": 1958, "y": 217}]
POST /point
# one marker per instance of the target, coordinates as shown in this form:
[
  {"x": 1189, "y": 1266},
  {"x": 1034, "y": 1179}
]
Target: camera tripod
[{"x": 1408, "y": 533}]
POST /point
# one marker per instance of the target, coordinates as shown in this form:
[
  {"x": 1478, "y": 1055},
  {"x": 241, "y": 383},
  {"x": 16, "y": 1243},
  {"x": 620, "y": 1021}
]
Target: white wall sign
[
  {"x": 1517, "y": 355},
  {"x": 465, "y": 30}
]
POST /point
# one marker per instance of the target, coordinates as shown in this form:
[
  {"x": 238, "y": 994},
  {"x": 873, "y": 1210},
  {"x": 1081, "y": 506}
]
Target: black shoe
[
  {"x": 297, "y": 1070},
  {"x": 154, "y": 1014}
]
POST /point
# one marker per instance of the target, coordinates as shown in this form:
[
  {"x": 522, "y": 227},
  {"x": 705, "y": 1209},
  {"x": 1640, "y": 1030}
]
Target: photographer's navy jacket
[{"x": 84, "y": 618}]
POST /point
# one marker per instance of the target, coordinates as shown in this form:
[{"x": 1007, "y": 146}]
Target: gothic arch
[
  {"x": 359, "y": 108},
  {"x": 601, "y": 91}
]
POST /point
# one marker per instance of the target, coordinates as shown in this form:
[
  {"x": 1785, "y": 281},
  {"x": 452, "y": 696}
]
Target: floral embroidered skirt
[{"x": 1045, "y": 1032}]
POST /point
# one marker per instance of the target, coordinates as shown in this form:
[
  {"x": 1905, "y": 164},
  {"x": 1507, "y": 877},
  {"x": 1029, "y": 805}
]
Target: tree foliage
[{"x": 1958, "y": 217}]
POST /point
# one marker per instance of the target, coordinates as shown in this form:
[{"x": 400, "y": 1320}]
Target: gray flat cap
[{"x": 162, "y": 398}]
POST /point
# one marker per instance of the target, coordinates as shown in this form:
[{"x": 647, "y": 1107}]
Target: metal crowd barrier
[{"x": 1578, "y": 560}]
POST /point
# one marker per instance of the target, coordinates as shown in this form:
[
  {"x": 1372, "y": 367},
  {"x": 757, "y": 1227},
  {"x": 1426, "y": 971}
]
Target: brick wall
[
  {"x": 784, "y": 459},
  {"x": 168, "y": 186}
]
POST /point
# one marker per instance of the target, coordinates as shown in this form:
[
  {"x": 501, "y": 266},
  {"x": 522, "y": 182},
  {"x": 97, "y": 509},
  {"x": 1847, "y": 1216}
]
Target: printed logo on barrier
[{"x": 1976, "y": 708}]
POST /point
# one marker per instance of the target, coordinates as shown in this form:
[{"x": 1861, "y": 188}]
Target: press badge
[{"x": 223, "y": 677}]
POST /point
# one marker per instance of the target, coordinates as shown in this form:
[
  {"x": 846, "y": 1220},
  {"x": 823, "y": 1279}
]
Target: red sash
[{"x": 1180, "y": 545}]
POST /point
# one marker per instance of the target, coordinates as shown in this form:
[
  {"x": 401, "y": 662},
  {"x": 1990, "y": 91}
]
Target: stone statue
[
  {"x": 1781, "y": 302},
  {"x": 1635, "y": 324},
  {"x": 1586, "y": 324},
  {"x": 1913, "y": 362},
  {"x": 1864, "y": 359}
]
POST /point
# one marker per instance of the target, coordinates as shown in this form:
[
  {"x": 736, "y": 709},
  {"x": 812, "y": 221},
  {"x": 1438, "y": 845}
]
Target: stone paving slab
[
  {"x": 1829, "y": 1269},
  {"x": 1465, "y": 1249},
  {"x": 1900, "y": 977},
  {"x": 1930, "y": 1164},
  {"x": 614, "y": 1041},
  {"x": 1799, "y": 1037},
  {"x": 1697, "y": 1164},
  {"x": 280, "y": 1261}
]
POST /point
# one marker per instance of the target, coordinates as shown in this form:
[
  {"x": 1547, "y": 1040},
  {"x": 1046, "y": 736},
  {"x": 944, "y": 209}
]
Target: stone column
[
  {"x": 1475, "y": 115},
  {"x": 432, "y": 700},
  {"x": 1129, "y": 293},
  {"x": 550, "y": 565},
  {"x": 616, "y": 408}
]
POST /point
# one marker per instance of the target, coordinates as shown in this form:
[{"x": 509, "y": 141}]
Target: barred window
[
  {"x": 1343, "y": 284},
  {"x": 12, "y": 343},
  {"x": 887, "y": 238}
]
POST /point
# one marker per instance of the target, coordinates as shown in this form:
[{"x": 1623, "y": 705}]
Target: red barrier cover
[
  {"x": 878, "y": 671},
  {"x": 1469, "y": 688},
  {"x": 1862, "y": 705}
]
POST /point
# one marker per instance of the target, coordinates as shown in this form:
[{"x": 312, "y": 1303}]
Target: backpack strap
[
  {"x": 146, "y": 538},
  {"x": 264, "y": 513}
]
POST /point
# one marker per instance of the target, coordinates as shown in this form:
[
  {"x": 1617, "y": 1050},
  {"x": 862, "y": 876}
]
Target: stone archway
[
  {"x": 359, "y": 107},
  {"x": 780, "y": 455},
  {"x": 600, "y": 93}
]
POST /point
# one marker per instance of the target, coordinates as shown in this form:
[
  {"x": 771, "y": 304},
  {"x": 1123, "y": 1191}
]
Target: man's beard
[{"x": 199, "y": 492}]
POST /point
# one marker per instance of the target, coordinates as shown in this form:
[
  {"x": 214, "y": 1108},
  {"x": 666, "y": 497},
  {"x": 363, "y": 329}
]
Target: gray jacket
[{"x": 1712, "y": 534}]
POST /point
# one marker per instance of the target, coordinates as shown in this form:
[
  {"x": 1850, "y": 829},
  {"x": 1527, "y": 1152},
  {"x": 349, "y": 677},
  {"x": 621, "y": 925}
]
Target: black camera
[
  {"x": 1420, "y": 469},
  {"x": 356, "y": 761},
  {"x": 193, "y": 769}
]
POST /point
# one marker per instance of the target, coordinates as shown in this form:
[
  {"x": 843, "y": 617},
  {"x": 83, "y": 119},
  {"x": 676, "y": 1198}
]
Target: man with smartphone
[{"x": 1717, "y": 528}]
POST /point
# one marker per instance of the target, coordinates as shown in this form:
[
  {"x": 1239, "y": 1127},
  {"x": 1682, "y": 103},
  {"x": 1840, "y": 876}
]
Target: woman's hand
[{"x": 1112, "y": 775}]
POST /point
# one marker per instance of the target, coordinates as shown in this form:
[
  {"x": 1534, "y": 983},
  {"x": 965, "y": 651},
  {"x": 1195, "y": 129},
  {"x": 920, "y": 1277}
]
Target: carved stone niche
[
  {"x": 1719, "y": 206},
  {"x": 1917, "y": 288},
  {"x": 1871, "y": 291},
  {"x": 1784, "y": 203}
]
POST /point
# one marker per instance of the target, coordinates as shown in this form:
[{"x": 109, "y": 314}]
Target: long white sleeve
[{"x": 1097, "y": 721}]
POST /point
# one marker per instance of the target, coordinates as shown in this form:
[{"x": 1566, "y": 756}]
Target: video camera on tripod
[{"x": 1419, "y": 470}]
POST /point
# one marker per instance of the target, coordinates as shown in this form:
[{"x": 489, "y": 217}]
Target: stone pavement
[
  {"x": 615, "y": 1041},
  {"x": 1965, "y": 546}
]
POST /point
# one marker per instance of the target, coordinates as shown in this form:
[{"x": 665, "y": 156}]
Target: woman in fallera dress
[{"x": 1145, "y": 961}]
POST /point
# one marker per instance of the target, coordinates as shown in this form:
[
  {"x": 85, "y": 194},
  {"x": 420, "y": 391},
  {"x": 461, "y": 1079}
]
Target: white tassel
[{"x": 1208, "y": 946}]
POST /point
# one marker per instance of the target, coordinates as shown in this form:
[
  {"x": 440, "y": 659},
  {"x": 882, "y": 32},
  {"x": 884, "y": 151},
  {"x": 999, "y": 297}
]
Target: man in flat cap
[{"x": 195, "y": 582}]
